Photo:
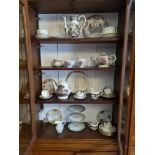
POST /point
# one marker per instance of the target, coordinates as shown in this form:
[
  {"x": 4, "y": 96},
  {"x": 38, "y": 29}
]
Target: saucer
[
  {"x": 45, "y": 98},
  {"x": 80, "y": 98},
  {"x": 76, "y": 126},
  {"x": 103, "y": 66},
  {"x": 41, "y": 36},
  {"x": 76, "y": 108},
  {"x": 75, "y": 117},
  {"x": 108, "y": 96}
]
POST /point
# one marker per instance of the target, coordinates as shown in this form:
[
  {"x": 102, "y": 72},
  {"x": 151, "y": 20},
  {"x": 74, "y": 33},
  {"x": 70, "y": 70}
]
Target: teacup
[
  {"x": 45, "y": 93},
  {"x": 95, "y": 94},
  {"x": 80, "y": 94},
  {"x": 69, "y": 63},
  {"x": 82, "y": 63},
  {"x": 107, "y": 90},
  {"x": 93, "y": 125},
  {"x": 58, "y": 62},
  {"x": 42, "y": 32}
]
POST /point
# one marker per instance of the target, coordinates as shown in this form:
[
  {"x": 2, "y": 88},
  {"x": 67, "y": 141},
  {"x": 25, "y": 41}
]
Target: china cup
[
  {"x": 107, "y": 90},
  {"x": 93, "y": 125},
  {"x": 95, "y": 94},
  {"x": 82, "y": 63},
  {"x": 69, "y": 63},
  {"x": 45, "y": 93},
  {"x": 80, "y": 94}
]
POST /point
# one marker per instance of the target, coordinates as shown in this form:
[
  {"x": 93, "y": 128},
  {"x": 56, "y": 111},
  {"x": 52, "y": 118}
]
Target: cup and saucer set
[{"x": 45, "y": 94}]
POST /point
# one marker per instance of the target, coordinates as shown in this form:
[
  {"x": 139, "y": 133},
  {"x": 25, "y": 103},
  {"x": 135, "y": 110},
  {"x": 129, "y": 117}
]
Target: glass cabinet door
[
  {"x": 25, "y": 123},
  {"x": 129, "y": 81}
]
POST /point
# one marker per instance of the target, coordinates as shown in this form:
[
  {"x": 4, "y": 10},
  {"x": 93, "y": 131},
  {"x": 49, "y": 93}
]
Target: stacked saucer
[
  {"x": 42, "y": 34},
  {"x": 76, "y": 118}
]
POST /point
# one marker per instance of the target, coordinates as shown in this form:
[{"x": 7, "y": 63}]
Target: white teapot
[
  {"x": 73, "y": 29},
  {"x": 62, "y": 89},
  {"x": 60, "y": 126}
]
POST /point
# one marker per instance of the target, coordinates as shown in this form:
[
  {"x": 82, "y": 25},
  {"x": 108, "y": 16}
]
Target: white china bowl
[{"x": 109, "y": 30}]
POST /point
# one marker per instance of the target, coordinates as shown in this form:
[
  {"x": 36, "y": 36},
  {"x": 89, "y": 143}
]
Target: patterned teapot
[
  {"x": 105, "y": 60},
  {"x": 73, "y": 29},
  {"x": 62, "y": 89}
]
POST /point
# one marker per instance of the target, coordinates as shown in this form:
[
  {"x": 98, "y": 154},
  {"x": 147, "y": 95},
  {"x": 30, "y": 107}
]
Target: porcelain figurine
[
  {"x": 73, "y": 28},
  {"x": 62, "y": 89}
]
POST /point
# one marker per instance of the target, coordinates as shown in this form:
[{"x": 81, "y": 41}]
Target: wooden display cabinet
[{"x": 45, "y": 140}]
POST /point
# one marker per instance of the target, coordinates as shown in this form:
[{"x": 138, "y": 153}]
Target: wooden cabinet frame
[{"x": 30, "y": 22}]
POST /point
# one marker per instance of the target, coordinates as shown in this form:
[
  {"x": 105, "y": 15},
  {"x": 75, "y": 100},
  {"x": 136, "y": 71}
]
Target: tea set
[
  {"x": 103, "y": 60},
  {"x": 81, "y": 63},
  {"x": 76, "y": 123},
  {"x": 75, "y": 27},
  {"x": 63, "y": 90}
]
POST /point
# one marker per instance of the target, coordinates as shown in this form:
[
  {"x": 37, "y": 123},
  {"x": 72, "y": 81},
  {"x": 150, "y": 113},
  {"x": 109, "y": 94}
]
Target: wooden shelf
[
  {"x": 85, "y": 140},
  {"x": 76, "y": 40},
  {"x": 71, "y": 99},
  {"x": 74, "y": 68},
  {"x": 47, "y": 130},
  {"x": 76, "y": 6}
]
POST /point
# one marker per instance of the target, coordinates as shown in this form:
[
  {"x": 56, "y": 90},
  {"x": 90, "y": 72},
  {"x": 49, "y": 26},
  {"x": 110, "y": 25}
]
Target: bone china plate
[
  {"x": 76, "y": 126},
  {"x": 54, "y": 115},
  {"x": 104, "y": 116},
  {"x": 76, "y": 117},
  {"x": 76, "y": 108}
]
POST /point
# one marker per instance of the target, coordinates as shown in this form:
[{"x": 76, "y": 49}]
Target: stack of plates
[{"x": 76, "y": 118}]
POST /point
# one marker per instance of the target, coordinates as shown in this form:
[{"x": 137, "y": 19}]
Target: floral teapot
[
  {"x": 62, "y": 89},
  {"x": 73, "y": 29},
  {"x": 105, "y": 60}
]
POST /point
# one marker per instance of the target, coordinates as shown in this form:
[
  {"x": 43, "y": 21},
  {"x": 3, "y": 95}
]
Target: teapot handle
[
  {"x": 82, "y": 16},
  {"x": 112, "y": 59}
]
